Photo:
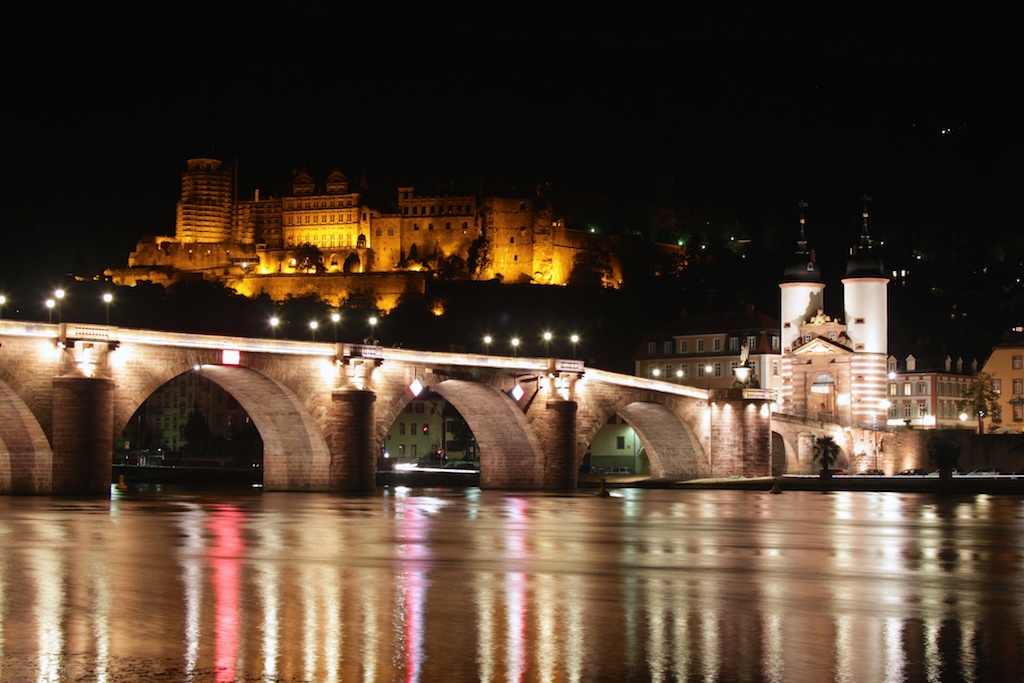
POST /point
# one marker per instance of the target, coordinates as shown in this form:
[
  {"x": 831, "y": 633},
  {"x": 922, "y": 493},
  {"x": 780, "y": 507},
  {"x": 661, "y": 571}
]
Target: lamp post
[
  {"x": 547, "y": 343},
  {"x": 3, "y": 300},
  {"x": 60, "y": 298},
  {"x": 515, "y": 346},
  {"x": 373, "y": 327},
  {"x": 335, "y": 318},
  {"x": 711, "y": 463},
  {"x": 679, "y": 375},
  {"x": 575, "y": 339},
  {"x": 487, "y": 343},
  {"x": 274, "y": 321},
  {"x": 49, "y": 310},
  {"x": 107, "y": 298},
  {"x": 312, "y": 327}
]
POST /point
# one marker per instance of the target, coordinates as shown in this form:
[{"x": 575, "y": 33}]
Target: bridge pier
[
  {"x": 740, "y": 435},
  {"x": 353, "y": 466},
  {"x": 82, "y": 439},
  {"x": 561, "y": 471}
]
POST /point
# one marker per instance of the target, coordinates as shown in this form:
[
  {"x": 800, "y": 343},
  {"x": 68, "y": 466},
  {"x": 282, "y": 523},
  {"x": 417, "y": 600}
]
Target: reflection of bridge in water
[{"x": 323, "y": 409}]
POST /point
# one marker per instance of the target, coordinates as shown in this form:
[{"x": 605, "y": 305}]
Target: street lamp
[
  {"x": 107, "y": 298},
  {"x": 373, "y": 327},
  {"x": 515, "y": 346},
  {"x": 274, "y": 321},
  {"x": 335, "y": 317},
  {"x": 707, "y": 373},
  {"x": 679, "y": 375},
  {"x": 3, "y": 300},
  {"x": 547, "y": 343},
  {"x": 312, "y": 327},
  {"x": 575, "y": 339},
  {"x": 60, "y": 297},
  {"x": 49, "y": 309},
  {"x": 487, "y": 343}
]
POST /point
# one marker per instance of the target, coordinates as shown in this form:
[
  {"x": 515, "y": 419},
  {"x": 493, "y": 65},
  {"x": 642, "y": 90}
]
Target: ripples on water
[{"x": 464, "y": 585}]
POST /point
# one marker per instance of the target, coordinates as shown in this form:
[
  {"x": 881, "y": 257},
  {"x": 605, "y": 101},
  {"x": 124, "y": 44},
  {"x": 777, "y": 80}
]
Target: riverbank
[{"x": 965, "y": 485}]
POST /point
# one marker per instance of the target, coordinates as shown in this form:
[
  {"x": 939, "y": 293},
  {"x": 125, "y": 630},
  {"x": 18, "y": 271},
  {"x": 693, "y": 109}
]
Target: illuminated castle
[
  {"x": 255, "y": 246},
  {"x": 832, "y": 369}
]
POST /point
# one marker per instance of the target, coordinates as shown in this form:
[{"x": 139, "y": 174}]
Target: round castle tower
[{"x": 802, "y": 290}]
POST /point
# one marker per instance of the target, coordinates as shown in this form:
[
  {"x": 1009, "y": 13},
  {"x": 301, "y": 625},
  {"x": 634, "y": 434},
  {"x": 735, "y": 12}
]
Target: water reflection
[{"x": 466, "y": 585}]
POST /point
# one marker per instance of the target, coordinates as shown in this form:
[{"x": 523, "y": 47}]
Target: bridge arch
[
  {"x": 663, "y": 424},
  {"x": 295, "y": 452},
  {"x": 26, "y": 458}
]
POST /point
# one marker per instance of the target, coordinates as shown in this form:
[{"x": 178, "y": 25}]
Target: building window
[
  {"x": 620, "y": 443},
  {"x": 1018, "y": 362},
  {"x": 907, "y": 389},
  {"x": 667, "y": 347},
  {"x": 700, "y": 370},
  {"x": 922, "y": 410},
  {"x": 997, "y": 386},
  {"x": 668, "y": 372},
  {"x": 775, "y": 343},
  {"x": 906, "y": 410},
  {"x": 684, "y": 371},
  {"x": 734, "y": 344},
  {"x": 1018, "y": 413},
  {"x": 700, "y": 346},
  {"x": 751, "y": 343},
  {"x": 1018, "y": 386},
  {"x": 922, "y": 389},
  {"x": 401, "y": 429},
  {"x": 651, "y": 348},
  {"x": 893, "y": 391},
  {"x": 718, "y": 369},
  {"x": 684, "y": 346},
  {"x": 775, "y": 368},
  {"x": 716, "y": 344}
]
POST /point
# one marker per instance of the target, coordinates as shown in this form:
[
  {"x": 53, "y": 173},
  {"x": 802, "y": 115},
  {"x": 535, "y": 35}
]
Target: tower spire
[{"x": 865, "y": 236}]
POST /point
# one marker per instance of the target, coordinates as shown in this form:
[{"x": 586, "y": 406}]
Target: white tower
[
  {"x": 802, "y": 291},
  {"x": 865, "y": 296},
  {"x": 866, "y": 303}
]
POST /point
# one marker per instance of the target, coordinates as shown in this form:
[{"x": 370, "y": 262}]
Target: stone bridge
[{"x": 323, "y": 409}]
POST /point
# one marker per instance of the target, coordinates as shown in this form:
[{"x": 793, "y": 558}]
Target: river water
[{"x": 470, "y": 585}]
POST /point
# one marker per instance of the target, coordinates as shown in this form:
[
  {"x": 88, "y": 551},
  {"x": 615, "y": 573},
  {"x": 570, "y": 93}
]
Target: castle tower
[
  {"x": 866, "y": 304},
  {"x": 204, "y": 213},
  {"x": 802, "y": 290}
]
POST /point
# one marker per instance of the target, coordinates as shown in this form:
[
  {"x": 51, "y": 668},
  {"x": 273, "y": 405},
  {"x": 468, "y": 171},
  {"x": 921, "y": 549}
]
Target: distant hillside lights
[{"x": 353, "y": 233}]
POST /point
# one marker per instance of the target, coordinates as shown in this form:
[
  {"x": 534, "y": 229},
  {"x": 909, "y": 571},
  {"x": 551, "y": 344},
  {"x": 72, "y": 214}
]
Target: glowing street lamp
[
  {"x": 60, "y": 297},
  {"x": 373, "y": 327},
  {"x": 107, "y": 298},
  {"x": 575, "y": 339},
  {"x": 679, "y": 375},
  {"x": 707, "y": 373},
  {"x": 335, "y": 317},
  {"x": 3, "y": 300},
  {"x": 515, "y": 346},
  {"x": 487, "y": 343},
  {"x": 312, "y": 328},
  {"x": 547, "y": 343},
  {"x": 274, "y": 321},
  {"x": 50, "y": 303}
]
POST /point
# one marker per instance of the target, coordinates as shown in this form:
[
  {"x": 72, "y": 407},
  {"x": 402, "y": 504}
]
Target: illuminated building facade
[
  {"x": 1006, "y": 367},
  {"x": 512, "y": 236},
  {"x": 926, "y": 397},
  {"x": 684, "y": 351}
]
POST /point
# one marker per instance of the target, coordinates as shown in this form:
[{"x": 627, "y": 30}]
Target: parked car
[
  {"x": 911, "y": 473},
  {"x": 872, "y": 473},
  {"x": 984, "y": 472}
]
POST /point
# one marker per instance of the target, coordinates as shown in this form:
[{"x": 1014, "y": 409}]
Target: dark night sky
[{"x": 760, "y": 108}]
